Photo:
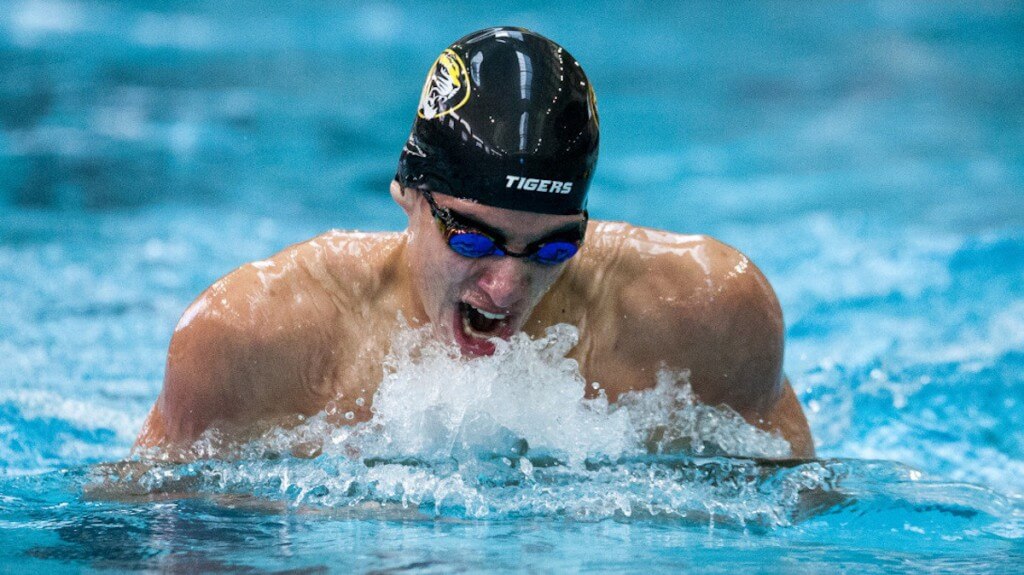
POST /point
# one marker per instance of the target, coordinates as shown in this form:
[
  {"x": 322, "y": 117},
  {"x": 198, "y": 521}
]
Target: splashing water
[
  {"x": 507, "y": 435},
  {"x": 527, "y": 395}
]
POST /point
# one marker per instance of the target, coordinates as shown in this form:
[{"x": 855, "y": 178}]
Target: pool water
[{"x": 868, "y": 157}]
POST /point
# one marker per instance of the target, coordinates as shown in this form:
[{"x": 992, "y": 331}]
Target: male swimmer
[{"x": 494, "y": 180}]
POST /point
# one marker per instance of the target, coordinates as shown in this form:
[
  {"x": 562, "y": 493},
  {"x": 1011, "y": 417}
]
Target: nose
[{"x": 504, "y": 280}]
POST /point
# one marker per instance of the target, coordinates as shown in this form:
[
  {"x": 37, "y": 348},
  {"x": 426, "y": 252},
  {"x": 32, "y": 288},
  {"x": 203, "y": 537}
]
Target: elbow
[{"x": 187, "y": 405}]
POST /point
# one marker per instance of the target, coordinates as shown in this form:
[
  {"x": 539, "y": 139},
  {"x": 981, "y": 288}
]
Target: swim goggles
[{"x": 467, "y": 239}]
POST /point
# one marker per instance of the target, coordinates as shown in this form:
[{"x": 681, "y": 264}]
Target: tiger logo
[{"x": 446, "y": 88}]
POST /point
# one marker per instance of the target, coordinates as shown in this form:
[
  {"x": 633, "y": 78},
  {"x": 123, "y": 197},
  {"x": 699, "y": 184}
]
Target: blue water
[{"x": 869, "y": 157}]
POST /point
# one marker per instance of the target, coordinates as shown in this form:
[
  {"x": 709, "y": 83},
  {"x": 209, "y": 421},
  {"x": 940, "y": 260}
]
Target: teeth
[{"x": 489, "y": 315}]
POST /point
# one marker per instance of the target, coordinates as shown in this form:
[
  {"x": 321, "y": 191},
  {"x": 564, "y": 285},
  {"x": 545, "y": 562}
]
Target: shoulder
[
  {"x": 693, "y": 302},
  {"x": 253, "y": 343},
  {"x": 665, "y": 270},
  {"x": 252, "y": 295},
  {"x": 299, "y": 280}
]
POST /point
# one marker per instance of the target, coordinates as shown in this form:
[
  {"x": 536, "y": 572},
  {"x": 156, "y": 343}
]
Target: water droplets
[{"x": 508, "y": 435}]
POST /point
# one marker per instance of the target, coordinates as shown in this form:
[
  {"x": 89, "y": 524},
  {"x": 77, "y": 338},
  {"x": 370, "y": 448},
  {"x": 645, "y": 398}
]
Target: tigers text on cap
[{"x": 506, "y": 118}]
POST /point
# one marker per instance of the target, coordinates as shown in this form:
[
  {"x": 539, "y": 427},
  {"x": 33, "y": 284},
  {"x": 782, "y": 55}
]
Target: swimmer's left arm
[
  {"x": 752, "y": 333},
  {"x": 724, "y": 325}
]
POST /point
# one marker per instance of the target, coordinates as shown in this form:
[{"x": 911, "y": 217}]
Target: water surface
[{"x": 866, "y": 156}]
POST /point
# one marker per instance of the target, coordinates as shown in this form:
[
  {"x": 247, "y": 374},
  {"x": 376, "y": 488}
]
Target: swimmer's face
[{"x": 468, "y": 300}]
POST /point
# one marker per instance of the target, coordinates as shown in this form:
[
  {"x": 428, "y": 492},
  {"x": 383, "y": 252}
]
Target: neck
[{"x": 397, "y": 272}]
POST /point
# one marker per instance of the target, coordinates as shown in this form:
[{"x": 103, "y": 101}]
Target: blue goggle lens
[
  {"x": 555, "y": 252},
  {"x": 472, "y": 245}
]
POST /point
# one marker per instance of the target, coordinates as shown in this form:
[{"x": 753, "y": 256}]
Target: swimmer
[{"x": 494, "y": 179}]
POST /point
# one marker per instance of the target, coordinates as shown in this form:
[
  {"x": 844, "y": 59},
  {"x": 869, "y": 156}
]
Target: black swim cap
[{"x": 506, "y": 118}]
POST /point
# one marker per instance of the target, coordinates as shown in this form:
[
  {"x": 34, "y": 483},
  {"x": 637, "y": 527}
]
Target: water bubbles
[
  {"x": 670, "y": 420},
  {"x": 432, "y": 401},
  {"x": 526, "y": 467},
  {"x": 508, "y": 435}
]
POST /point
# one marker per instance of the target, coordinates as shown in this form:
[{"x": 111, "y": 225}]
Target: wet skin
[{"x": 307, "y": 330}]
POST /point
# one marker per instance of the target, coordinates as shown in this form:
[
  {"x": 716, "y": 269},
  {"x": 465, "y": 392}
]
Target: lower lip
[{"x": 473, "y": 346}]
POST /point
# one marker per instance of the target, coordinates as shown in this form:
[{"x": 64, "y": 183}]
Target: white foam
[
  {"x": 432, "y": 401},
  {"x": 528, "y": 397},
  {"x": 511, "y": 433}
]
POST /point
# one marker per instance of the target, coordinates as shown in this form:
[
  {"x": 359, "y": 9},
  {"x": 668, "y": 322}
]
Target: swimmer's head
[{"x": 507, "y": 118}]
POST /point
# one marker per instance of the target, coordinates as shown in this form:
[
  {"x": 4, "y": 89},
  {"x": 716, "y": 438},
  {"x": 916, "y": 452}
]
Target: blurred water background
[{"x": 868, "y": 156}]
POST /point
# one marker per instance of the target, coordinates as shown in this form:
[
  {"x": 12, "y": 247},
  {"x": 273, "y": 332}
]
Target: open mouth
[{"x": 474, "y": 327}]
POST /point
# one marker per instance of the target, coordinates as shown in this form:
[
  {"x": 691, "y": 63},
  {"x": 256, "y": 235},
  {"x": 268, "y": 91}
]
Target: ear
[{"x": 403, "y": 197}]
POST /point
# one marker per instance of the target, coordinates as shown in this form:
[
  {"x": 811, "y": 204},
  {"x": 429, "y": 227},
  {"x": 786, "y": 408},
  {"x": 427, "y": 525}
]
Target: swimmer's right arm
[{"x": 240, "y": 355}]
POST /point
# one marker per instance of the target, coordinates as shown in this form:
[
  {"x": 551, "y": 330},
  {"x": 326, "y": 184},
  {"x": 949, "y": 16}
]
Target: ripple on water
[{"x": 511, "y": 436}]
